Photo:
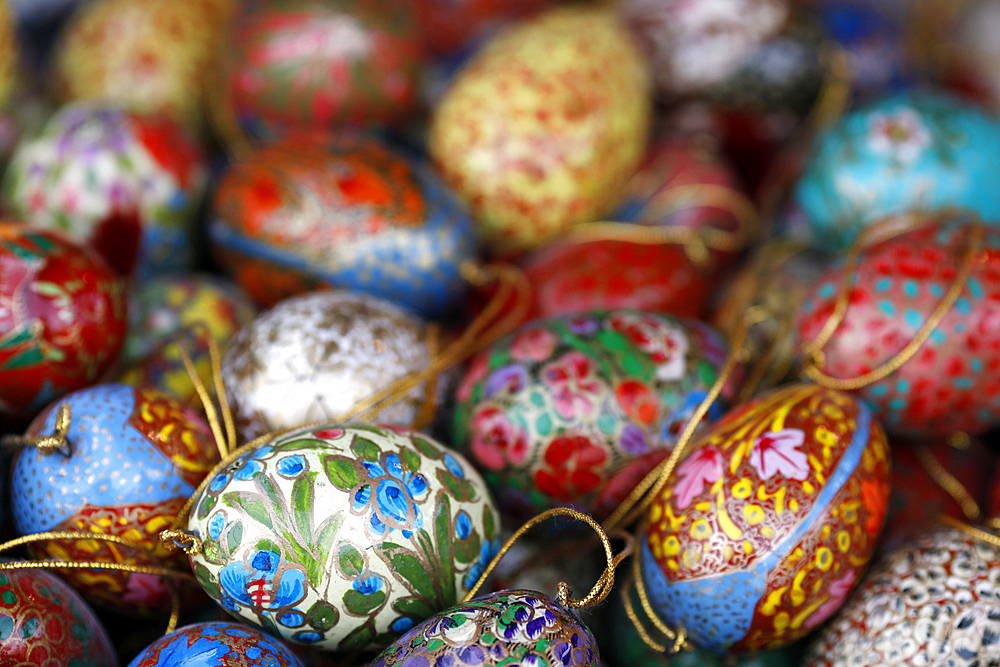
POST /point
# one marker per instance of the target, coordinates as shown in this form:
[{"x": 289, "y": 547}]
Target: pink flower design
[
  {"x": 666, "y": 345},
  {"x": 701, "y": 468},
  {"x": 573, "y": 385},
  {"x": 900, "y": 136},
  {"x": 495, "y": 441},
  {"x": 838, "y": 593},
  {"x": 778, "y": 452},
  {"x": 533, "y": 345},
  {"x": 145, "y": 589},
  {"x": 477, "y": 371}
]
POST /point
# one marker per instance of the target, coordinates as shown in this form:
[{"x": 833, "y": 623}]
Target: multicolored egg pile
[{"x": 307, "y": 307}]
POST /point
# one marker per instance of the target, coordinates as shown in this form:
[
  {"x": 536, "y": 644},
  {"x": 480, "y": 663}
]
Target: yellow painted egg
[{"x": 542, "y": 130}]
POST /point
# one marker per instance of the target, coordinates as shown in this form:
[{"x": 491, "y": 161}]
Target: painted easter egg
[
  {"x": 577, "y": 409},
  {"x": 62, "y": 318},
  {"x": 950, "y": 384},
  {"x": 147, "y": 55},
  {"x": 135, "y": 457},
  {"x": 312, "y": 358},
  {"x": 127, "y": 185},
  {"x": 343, "y": 537},
  {"x": 45, "y": 623},
  {"x": 341, "y": 211},
  {"x": 544, "y": 127},
  {"x": 320, "y": 64},
  {"x": 932, "y": 601},
  {"x": 763, "y": 530},
  {"x": 509, "y": 627},
  {"x": 450, "y": 25},
  {"x": 908, "y": 152},
  {"x": 918, "y": 498},
  {"x": 216, "y": 645},
  {"x": 603, "y": 275}
]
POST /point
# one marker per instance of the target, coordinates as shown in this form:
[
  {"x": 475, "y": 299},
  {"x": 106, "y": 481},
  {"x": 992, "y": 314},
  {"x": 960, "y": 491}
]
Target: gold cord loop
[
  {"x": 950, "y": 485},
  {"x": 604, "y": 584},
  {"x": 813, "y": 357},
  {"x": 186, "y": 541},
  {"x": 676, "y": 637},
  {"x": 47, "y": 444},
  {"x": 972, "y": 531}
]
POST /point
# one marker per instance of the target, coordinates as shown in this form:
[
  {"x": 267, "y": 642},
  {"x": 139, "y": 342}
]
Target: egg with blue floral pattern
[
  {"x": 514, "y": 627},
  {"x": 578, "y": 408},
  {"x": 908, "y": 152},
  {"x": 216, "y": 645},
  {"x": 342, "y": 537}
]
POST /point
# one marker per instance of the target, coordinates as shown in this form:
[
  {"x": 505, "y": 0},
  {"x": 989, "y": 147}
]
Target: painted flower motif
[
  {"x": 573, "y": 468},
  {"x": 535, "y": 344},
  {"x": 839, "y": 589},
  {"x": 671, "y": 427},
  {"x": 393, "y": 494},
  {"x": 583, "y": 326},
  {"x": 495, "y": 441},
  {"x": 523, "y": 623},
  {"x": 453, "y": 466},
  {"x": 478, "y": 369},
  {"x": 778, "y": 452},
  {"x": 637, "y": 400},
  {"x": 216, "y": 525},
  {"x": 633, "y": 440},
  {"x": 463, "y": 525},
  {"x": 900, "y": 136},
  {"x": 368, "y": 584},
  {"x": 264, "y": 583},
  {"x": 574, "y": 386},
  {"x": 244, "y": 468},
  {"x": 291, "y": 466},
  {"x": 508, "y": 379},
  {"x": 700, "y": 468},
  {"x": 487, "y": 552},
  {"x": 665, "y": 344},
  {"x": 875, "y": 497},
  {"x": 330, "y": 433}
]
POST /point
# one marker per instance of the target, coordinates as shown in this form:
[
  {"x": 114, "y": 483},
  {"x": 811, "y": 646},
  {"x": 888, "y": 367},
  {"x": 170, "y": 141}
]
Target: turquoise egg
[{"x": 915, "y": 151}]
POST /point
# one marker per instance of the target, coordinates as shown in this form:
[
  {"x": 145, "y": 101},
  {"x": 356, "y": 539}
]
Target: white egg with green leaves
[{"x": 343, "y": 536}]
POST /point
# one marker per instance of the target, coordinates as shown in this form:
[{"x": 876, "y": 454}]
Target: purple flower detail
[
  {"x": 633, "y": 440},
  {"x": 508, "y": 379},
  {"x": 583, "y": 326}
]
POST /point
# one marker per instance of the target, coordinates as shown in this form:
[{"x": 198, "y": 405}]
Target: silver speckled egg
[{"x": 311, "y": 358}]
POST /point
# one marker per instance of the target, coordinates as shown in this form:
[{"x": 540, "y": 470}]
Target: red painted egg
[
  {"x": 322, "y": 63},
  {"x": 450, "y": 25},
  {"x": 62, "y": 318},
  {"x": 45, "y": 623},
  {"x": 952, "y": 382},
  {"x": 762, "y": 531}
]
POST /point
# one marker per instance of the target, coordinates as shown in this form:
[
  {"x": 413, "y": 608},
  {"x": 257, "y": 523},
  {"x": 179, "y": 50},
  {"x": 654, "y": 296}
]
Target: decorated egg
[
  {"x": 950, "y": 383},
  {"x": 609, "y": 274},
  {"x": 134, "y": 459},
  {"x": 343, "y": 537},
  {"x": 216, "y": 645},
  {"x": 544, "y": 127},
  {"x": 341, "y": 211},
  {"x": 918, "y": 468},
  {"x": 147, "y": 55},
  {"x": 509, "y": 627},
  {"x": 763, "y": 530},
  {"x": 45, "y": 623},
  {"x": 908, "y": 152},
  {"x": 312, "y": 358},
  {"x": 319, "y": 64},
  {"x": 127, "y": 185},
  {"x": 62, "y": 318},
  {"x": 577, "y": 409},
  {"x": 932, "y": 601}
]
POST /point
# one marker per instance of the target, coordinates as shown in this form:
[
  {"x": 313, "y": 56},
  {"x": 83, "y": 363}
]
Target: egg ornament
[
  {"x": 932, "y": 600},
  {"x": 576, "y": 409},
  {"x": 342, "y": 211},
  {"x": 907, "y": 152},
  {"x": 949, "y": 383},
  {"x": 191, "y": 311},
  {"x": 127, "y": 185},
  {"x": 150, "y": 56},
  {"x": 762, "y": 531},
  {"x": 321, "y": 64},
  {"x": 45, "y": 623},
  {"x": 134, "y": 458},
  {"x": 508, "y": 627},
  {"x": 216, "y": 644},
  {"x": 542, "y": 129},
  {"x": 312, "y": 358},
  {"x": 342, "y": 537},
  {"x": 62, "y": 318}
]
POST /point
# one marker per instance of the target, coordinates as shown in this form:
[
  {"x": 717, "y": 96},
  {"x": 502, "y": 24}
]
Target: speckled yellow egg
[
  {"x": 543, "y": 129},
  {"x": 151, "y": 55}
]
